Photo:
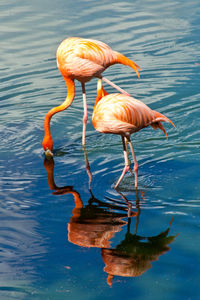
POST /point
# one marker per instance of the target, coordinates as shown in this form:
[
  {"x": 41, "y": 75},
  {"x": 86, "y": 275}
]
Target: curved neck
[
  {"x": 68, "y": 101},
  {"x": 100, "y": 92},
  {"x": 77, "y": 199},
  {"x": 49, "y": 166}
]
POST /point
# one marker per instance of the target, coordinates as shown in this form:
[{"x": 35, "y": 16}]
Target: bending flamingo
[
  {"x": 82, "y": 59},
  {"x": 124, "y": 115}
]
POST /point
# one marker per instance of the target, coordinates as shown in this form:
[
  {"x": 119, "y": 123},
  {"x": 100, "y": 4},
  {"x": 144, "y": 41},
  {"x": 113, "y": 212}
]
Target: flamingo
[
  {"x": 123, "y": 115},
  {"x": 82, "y": 59}
]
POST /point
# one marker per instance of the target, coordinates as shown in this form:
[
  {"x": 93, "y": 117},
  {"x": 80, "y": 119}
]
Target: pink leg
[
  {"x": 87, "y": 164},
  {"x": 135, "y": 163},
  {"x": 115, "y": 86},
  {"x": 85, "y": 116},
  {"x": 127, "y": 163},
  {"x": 125, "y": 170}
]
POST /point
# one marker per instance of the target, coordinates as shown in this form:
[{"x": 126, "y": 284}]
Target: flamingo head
[{"x": 48, "y": 146}]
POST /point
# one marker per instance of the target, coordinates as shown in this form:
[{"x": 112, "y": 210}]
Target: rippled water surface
[{"x": 58, "y": 239}]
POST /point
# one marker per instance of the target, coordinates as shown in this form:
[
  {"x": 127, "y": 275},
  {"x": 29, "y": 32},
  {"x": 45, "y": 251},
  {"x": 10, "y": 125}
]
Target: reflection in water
[
  {"x": 94, "y": 224},
  {"x": 87, "y": 166},
  {"x": 133, "y": 256}
]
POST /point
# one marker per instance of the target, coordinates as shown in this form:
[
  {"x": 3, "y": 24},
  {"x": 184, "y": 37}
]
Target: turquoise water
[{"x": 50, "y": 249}]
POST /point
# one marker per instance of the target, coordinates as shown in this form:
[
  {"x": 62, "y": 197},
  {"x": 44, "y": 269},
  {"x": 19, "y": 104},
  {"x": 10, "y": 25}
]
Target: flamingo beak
[{"x": 48, "y": 153}]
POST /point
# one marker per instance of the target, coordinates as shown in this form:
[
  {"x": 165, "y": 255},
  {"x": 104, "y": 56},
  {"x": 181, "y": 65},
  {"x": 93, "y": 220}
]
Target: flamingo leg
[
  {"x": 87, "y": 164},
  {"x": 135, "y": 163},
  {"x": 115, "y": 86},
  {"x": 85, "y": 115},
  {"x": 127, "y": 163}
]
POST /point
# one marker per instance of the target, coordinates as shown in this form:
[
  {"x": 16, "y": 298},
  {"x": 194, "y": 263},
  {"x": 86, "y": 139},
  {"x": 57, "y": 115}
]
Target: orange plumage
[
  {"x": 124, "y": 115},
  {"x": 82, "y": 59}
]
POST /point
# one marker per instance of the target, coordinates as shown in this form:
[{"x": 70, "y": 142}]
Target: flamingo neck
[
  {"x": 68, "y": 101},
  {"x": 77, "y": 199},
  {"x": 49, "y": 166},
  {"x": 100, "y": 92}
]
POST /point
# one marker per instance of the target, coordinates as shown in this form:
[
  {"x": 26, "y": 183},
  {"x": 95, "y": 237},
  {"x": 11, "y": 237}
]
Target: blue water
[{"x": 50, "y": 249}]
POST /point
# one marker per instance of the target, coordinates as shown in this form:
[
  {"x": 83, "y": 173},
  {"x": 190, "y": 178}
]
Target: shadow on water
[{"x": 97, "y": 222}]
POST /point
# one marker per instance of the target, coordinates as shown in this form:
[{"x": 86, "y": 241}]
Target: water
[{"x": 50, "y": 249}]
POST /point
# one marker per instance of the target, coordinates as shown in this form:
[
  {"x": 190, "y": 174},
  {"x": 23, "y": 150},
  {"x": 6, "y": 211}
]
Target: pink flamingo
[
  {"x": 124, "y": 115},
  {"x": 82, "y": 59}
]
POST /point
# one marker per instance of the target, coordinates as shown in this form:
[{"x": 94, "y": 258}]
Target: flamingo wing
[{"x": 96, "y": 51}]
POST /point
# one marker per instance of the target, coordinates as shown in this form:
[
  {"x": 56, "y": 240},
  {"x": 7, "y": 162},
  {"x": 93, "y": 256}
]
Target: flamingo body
[
  {"x": 124, "y": 115},
  {"x": 82, "y": 59},
  {"x": 121, "y": 114}
]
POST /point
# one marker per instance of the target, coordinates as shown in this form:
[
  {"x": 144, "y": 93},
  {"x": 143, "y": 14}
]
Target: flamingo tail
[
  {"x": 157, "y": 122},
  {"x": 121, "y": 59}
]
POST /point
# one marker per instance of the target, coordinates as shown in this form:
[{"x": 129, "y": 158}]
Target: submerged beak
[{"x": 48, "y": 153}]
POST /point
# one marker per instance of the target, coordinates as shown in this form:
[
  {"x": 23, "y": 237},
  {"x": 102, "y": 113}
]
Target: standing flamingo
[
  {"x": 82, "y": 59},
  {"x": 124, "y": 115}
]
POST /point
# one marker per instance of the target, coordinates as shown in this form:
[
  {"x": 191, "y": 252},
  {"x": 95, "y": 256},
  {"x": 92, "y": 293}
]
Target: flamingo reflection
[
  {"x": 97, "y": 222},
  {"x": 133, "y": 255},
  {"x": 94, "y": 224}
]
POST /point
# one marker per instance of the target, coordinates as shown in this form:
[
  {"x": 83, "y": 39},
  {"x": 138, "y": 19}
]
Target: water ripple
[{"x": 160, "y": 36}]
